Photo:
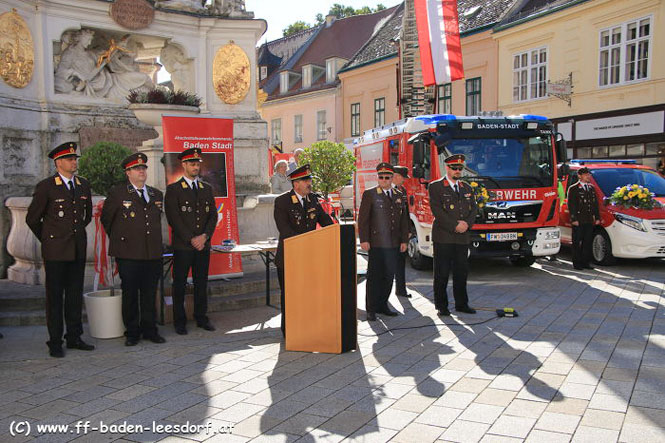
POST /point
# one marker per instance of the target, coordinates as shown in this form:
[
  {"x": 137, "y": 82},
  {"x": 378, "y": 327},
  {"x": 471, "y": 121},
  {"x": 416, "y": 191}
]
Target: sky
[{"x": 281, "y": 13}]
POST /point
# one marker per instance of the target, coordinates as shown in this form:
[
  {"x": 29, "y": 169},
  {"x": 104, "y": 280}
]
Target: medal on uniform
[
  {"x": 132, "y": 214},
  {"x": 189, "y": 209},
  {"x": 452, "y": 206},
  {"x": 184, "y": 209},
  {"x": 61, "y": 214},
  {"x": 312, "y": 216},
  {"x": 126, "y": 204},
  {"x": 207, "y": 208}
]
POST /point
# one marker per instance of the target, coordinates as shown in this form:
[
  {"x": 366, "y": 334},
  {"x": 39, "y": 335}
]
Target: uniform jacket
[
  {"x": 293, "y": 219},
  {"x": 448, "y": 208},
  {"x": 190, "y": 213},
  {"x": 58, "y": 220},
  {"x": 133, "y": 226},
  {"x": 382, "y": 221},
  {"x": 582, "y": 204}
]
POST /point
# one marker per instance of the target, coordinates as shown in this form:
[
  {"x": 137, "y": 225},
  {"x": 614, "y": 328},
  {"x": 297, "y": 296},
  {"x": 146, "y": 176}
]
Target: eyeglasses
[
  {"x": 456, "y": 167},
  {"x": 385, "y": 177}
]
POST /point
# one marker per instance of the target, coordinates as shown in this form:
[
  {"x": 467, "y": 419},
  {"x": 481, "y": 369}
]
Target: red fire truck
[{"x": 514, "y": 158}]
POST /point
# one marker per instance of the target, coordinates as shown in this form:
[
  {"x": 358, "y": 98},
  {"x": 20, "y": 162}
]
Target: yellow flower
[
  {"x": 632, "y": 194},
  {"x": 625, "y": 197},
  {"x": 634, "y": 186},
  {"x": 624, "y": 189},
  {"x": 474, "y": 184},
  {"x": 646, "y": 190},
  {"x": 480, "y": 205}
]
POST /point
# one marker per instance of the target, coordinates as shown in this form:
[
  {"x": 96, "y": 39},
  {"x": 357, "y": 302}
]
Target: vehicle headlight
[
  {"x": 552, "y": 234},
  {"x": 633, "y": 222}
]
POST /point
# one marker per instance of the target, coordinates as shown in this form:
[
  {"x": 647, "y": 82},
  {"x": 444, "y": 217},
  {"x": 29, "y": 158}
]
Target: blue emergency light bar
[
  {"x": 581, "y": 161},
  {"x": 433, "y": 119},
  {"x": 532, "y": 117}
]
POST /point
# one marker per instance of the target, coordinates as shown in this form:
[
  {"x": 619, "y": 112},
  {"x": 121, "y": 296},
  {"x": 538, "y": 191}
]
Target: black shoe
[
  {"x": 207, "y": 326},
  {"x": 181, "y": 330},
  {"x": 579, "y": 268},
  {"x": 589, "y": 267},
  {"x": 156, "y": 338},
  {"x": 443, "y": 312},
  {"x": 467, "y": 309},
  {"x": 56, "y": 352},
  {"x": 131, "y": 341},
  {"x": 405, "y": 295},
  {"x": 79, "y": 344},
  {"x": 389, "y": 312},
  {"x": 371, "y": 316}
]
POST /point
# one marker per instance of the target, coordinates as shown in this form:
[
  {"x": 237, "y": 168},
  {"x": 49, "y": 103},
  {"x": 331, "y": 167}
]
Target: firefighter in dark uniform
[
  {"x": 584, "y": 215},
  {"x": 296, "y": 212},
  {"x": 384, "y": 231},
  {"x": 60, "y": 210},
  {"x": 401, "y": 174},
  {"x": 454, "y": 207},
  {"x": 191, "y": 213},
  {"x": 132, "y": 219}
]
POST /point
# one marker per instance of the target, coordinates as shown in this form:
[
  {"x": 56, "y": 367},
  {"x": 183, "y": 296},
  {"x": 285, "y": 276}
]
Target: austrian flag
[{"x": 439, "y": 41}]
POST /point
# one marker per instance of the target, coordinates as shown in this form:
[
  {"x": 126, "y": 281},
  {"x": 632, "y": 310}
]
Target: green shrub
[
  {"x": 100, "y": 164},
  {"x": 164, "y": 96}
]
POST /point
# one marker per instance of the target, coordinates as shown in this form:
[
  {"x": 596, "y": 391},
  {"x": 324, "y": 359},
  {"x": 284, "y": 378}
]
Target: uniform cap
[
  {"x": 402, "y": 170},
  {"x": 584, "y": 170},
  {"x": 190, "y": 155},
  {"x": 385, "y": 168},
  {"x": 455, "y": 159},
  {"x": 301, "y": 173},
  {"x": 136, "y": 159},
  {"x": 67, "y": 149}
]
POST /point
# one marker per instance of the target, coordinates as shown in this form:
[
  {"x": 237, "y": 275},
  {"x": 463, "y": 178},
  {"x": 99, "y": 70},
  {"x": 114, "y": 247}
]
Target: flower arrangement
[
  {"x": 633, "y": 196},
  {"x": 482, "y": 194},
  {"x": 164, "y": 96}
]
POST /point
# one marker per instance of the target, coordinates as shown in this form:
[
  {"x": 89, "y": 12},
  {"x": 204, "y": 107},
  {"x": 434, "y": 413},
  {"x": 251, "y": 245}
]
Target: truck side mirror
[
  {"x": 561, "y": 151},
  {"x": 564, "y": 169}
]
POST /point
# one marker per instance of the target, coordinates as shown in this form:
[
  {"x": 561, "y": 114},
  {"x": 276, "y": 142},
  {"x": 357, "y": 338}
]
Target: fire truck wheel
[
  {"x": 601, "y": 248},
  {"x": 522, "y": 261},
  {"x": 418, "y": 261}
]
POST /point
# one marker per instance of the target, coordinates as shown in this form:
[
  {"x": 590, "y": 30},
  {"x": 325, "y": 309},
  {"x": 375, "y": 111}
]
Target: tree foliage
[
  {"x": 100, "y": 164},
  {"x": 342, "y": 11},
  {"x": 296, "y": 27},
  {"x": 332, "y": 166}
]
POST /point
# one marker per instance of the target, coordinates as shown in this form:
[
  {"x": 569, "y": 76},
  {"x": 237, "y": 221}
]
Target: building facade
[{"x": 608, "y": 49}]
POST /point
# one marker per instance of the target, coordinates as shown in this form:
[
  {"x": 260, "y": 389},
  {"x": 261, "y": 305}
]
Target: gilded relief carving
[
  {"x": 17, "y": 57},
  {"x": 231, "y": 74}
]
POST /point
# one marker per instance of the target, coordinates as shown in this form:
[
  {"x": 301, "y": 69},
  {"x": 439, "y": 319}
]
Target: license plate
[{"x": 502, "y": 236}]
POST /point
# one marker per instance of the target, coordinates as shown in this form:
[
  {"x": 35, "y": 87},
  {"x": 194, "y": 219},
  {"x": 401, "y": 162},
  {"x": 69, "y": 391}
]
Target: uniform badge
[
  {"x": 184, "y": 209},
  {"x": 184, "y": 184},
  {"x": 379, "y": 190},
  {"x": 312, "y": 216},
  {"x": 61, "y": 214},
  {"x": 452, "y": 206},
  {"x": 158, "y": 203},
  {"x": 200, "y": 185},
  {"x": 294, "y": 199},
  {"x": 127, "y": 203},
  {"x": 207, "y": 208},
  {"x": 77, "y": 181},
  {"x": 59, "y": 200},
  {"x": 132, "y": 214},
  {"x": 58, "y": 181},
  {"x": 399, "y": 200},
  {"x": 84, "y": 197}
]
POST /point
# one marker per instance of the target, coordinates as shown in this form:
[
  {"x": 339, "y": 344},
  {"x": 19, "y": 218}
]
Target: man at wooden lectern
[
  {"x": 296, "y": 212},
  {"x": 383, "y": 226}
]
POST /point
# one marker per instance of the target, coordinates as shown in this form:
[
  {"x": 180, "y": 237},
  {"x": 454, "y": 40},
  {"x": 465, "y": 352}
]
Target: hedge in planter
[{"x": 100, "y": 164}]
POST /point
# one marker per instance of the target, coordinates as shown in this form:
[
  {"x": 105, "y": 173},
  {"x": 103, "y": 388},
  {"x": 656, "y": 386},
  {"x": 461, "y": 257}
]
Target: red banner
[
  {"x": 214, "y": 136},
  {"x": 439, "y": 41}
]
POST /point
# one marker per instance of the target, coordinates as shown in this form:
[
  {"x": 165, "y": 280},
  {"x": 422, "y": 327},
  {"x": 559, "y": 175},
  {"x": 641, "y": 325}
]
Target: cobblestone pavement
[{"x": 584, "y": 361}]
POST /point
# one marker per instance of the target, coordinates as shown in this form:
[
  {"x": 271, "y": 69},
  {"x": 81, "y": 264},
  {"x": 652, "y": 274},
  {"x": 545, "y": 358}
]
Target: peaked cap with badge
[
  {"x": 402, "y": 170},
  {"x": 67, "y": 149},
  {"x": 385, "y": 168},
  {"x": 455, "y": 159},
  {"x": 190, "y": 155},
  {"x": 303, "y": 172},
  {"x": 133, "y": 160}
]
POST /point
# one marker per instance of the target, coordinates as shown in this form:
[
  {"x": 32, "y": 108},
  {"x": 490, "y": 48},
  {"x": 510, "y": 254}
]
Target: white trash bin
[{"x": 104, "y": 313}]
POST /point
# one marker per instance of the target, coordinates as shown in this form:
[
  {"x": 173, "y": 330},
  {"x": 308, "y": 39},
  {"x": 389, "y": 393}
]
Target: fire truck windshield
[{"x": 505, "y": 162}]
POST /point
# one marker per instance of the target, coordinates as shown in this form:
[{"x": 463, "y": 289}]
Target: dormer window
[
  {"x": 286, "y": 81},
  {"x": 331, "y": 70},
  {"x": 264, "y": 72},
  {"x": 306, "y": 76}
]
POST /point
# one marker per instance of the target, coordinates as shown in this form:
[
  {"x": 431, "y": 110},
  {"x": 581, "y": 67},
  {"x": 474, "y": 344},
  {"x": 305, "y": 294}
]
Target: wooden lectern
[{"x": 320, "y": 290}]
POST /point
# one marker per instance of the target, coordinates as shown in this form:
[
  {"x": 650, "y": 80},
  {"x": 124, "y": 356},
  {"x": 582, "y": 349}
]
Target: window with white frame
[
  {"x": 624, "y": 52},
  {"x": 276, "y": 130},
  {"x": 530, "y": 75},
  {"x": 307, "y": 76},
  {"x": 297, "y": 128},
  {"x": 284, "y": 82},
  {"x": 321, "y": 125},
  {"x": 331, "y": 70},
  {"x": 264, "y": 72},
  {"x": 355, "y": 119}
]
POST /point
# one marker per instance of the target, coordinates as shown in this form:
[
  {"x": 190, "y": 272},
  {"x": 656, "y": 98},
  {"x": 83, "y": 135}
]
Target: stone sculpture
[{"x": 180, "y": 67}]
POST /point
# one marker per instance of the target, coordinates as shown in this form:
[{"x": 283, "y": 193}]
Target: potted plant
[
  {"x": 148, "y": 106},
  {"x": 100, "y": 164}
]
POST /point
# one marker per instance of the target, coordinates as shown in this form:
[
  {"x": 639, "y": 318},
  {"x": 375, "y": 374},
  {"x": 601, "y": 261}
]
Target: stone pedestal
[{"x": 26, "y": 249}]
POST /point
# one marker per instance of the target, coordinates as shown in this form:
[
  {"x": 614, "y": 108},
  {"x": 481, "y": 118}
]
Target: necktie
[
  {"x": 142, "y": 195},
  {"x": 389, "y": 193},
  {"x": 70, "y": 185},
  {"x": 195, "y": 187},
  {"x": 456, "y": 189}
]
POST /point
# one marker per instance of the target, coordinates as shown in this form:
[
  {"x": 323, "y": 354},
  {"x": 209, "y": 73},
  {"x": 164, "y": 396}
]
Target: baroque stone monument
[{"x": 66, "y": 67}]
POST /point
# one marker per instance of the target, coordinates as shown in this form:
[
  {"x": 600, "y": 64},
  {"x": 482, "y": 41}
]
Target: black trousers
[
  {"x": 380, "y": 275},
  {"x": 139, "y": 287},
  {"x": 64, "y": 290},
  {"x": 582, "y": 240},
  {"x": 447, "y": 257},
  {"x": 400, "y": 274},
  {"x": 282, "y": 306},
  {"x": 198, "y": 262}
]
